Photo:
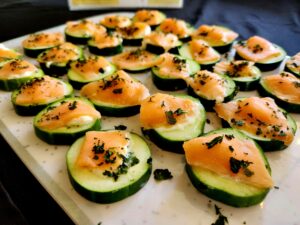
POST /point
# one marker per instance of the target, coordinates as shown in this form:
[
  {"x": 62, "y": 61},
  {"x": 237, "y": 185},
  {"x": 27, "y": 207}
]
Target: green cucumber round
[
  {"x": 171, "y": 139},
  {"x": 266, "y": 91},
  {"x": 224, "y": 189},
  {"x": 77, "y": 81},
  {"x": 267, "y": 144},
  {"x": 64, "y": 135},
  {"x": 167, "y": 83},
  {"x": 184, "y": 51},
  {"x": 33, "y": 109},
  {"x": 106, "y": 189},
  {"x": 231, "y": 92},
  {"x": 270, "y": 64}
]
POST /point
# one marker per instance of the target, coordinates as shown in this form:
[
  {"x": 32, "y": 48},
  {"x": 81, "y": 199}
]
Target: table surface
[{"x": 22, "y": 199}]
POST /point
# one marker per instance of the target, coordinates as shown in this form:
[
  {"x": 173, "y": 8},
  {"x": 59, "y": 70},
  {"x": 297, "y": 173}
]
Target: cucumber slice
[
  {"x": 57, "y": 68},
  {"x": 158, "y": 15},
  {"x": 267, "y": 144},
  {"x": 76, "y": 39},
  {"x": 78, "y": 81},
  {"x": 224, "y": 189},
  {"x": 185, "y": 51},
  {"x": 15, "y": 83},
  {"x": 68, "y": 134},
  {"x": 172, "y": 138},
  {"x": 270, "y": 64},
  {"x": 34, "y": 52},
  {"x": 291, "y": 65},
  {"x": 104, "y": 189},
  {"x": 33, "y": 109},
  {"x": 230, "y": 91},
  {"x": 244, "y": 83},
  {"x": 104, "y": 51},
  {"x": 169, "y": 83},
  {"x": 266, "y": 91},
  {"x": 135, "y": 61}
]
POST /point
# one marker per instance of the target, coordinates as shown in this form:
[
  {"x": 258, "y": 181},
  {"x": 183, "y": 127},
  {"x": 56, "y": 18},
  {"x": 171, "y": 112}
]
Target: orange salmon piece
[{"x": 217, "y": 158}]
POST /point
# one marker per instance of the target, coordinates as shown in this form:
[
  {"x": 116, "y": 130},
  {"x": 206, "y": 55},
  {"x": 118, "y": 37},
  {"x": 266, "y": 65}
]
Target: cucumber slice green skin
[
  {"x": 160, "y": 50},
  {"x": 78, "y": 82},
  {"x": 106, "y": 51},
  {"x": 112, "y": 111},
  {"x": 33, "y": 53},
  {"x": 185, "y": 39},
  {"x": 223, "y": 196},
  {"x": 223, "y": 48},
  {"x": 116, "y": 194},
  {"x": 247, "y": 85},
  {"x": 268, "y": 145},
  {"x": 288, "y": 106},
  {"x": 220, "y": 194},
  {"x": 55, "y": 70},
  {"x": 76, "y": 40},
  {"x": 59, "y": 138},
  {"x": 137, "y": 70},
  {"x": 167, "y": 84},
  {"x": 287, "y": 69},
  {"x": 163, "y": 143},
  {"x": 132, "y": 42},
  {"x": 209, "y": 104},
  {"x": 13, "y": 84}
]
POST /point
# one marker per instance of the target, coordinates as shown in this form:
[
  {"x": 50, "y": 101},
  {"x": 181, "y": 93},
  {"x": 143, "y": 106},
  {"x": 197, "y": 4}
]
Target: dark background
[{"x": 22, "y": 199}]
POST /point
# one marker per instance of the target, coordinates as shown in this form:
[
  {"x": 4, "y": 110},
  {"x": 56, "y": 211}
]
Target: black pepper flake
[{"x": 118, "y": 91}]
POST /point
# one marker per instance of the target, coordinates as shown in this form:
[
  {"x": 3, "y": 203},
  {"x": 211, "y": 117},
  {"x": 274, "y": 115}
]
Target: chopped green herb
[
  {"x": 162, "y": 174},
  {"x": 221, "y": 220},
  {"x": 214, "y": 141},
  {"x": 120, "y": 127},
  {"x": 236, "y": 165},
  {"x": 170, "y": 117},
  {"x": 179, "y": 112},
  {"x": 72, "y": 105}
]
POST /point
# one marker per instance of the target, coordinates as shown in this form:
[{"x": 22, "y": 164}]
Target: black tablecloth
[{"x": 22, "y": 198}]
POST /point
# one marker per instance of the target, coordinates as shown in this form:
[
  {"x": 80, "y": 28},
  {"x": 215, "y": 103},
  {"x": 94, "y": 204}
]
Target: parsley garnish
[
  {"x": 236, "y": 165},
  {"x": 120, "y": 127},
  {"x": 221, "y": 220},
  {"x": 162, "y": 174},
  {"x": 214, "y": 141},
  {"x": 170, "y": 117},
  {"x": 72, "y": 105}
]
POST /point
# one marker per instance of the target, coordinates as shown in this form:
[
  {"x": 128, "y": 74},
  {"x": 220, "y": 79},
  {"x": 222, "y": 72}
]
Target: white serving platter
[{"x": 173, "y": 201}]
